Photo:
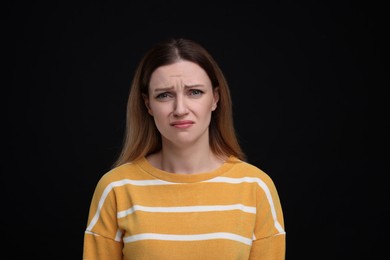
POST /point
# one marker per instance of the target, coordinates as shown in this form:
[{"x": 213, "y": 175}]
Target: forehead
[{"x": 185, "y": 72}]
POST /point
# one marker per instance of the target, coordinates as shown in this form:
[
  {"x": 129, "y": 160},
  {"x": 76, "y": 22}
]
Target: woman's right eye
[{"x": 163, "y": 95}]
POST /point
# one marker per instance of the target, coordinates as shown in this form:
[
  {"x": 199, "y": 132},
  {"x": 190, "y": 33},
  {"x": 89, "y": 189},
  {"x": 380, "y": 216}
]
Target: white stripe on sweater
[
  {"x": 263, "y": 185},
  {"x": 195, "y": 237},
  {"x": 187, "y": 209},
  {"x": 161, "y": 182},
  {"x": 112, "y": 185}
]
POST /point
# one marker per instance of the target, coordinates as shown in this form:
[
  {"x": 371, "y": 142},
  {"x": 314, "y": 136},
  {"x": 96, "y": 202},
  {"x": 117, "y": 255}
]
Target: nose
[{"x": 180, "y": 107}]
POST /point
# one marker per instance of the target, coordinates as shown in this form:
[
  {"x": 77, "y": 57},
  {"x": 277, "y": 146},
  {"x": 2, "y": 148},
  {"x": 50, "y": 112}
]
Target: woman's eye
[
  {"x": 196, "y": 92},
  {"x": 162, "y": 95}
]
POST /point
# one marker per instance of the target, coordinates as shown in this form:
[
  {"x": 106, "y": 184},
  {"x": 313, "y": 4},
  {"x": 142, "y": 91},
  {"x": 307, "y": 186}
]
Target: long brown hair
[{"x": 142, "y": 136}]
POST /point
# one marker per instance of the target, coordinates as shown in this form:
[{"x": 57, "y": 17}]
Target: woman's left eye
[{"x": 196, "y": 92}]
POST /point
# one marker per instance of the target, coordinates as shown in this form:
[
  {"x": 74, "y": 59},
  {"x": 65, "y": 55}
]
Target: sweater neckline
[{"x": 145, "y": 165}]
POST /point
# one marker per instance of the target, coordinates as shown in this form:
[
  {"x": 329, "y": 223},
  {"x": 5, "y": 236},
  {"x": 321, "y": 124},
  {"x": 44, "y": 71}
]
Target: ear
[
  {"x": 216, "y": 98},
  {"x": 146, "y": 101}
]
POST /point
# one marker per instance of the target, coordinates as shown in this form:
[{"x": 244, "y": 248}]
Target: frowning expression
[{"x": 181, "y": 100}]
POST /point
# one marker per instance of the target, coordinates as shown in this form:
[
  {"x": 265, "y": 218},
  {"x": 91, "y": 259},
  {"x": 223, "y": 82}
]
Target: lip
[{"x": 182, "y": 123}]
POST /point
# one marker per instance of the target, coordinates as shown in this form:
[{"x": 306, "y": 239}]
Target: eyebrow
[{"x": 186, "y": 86}]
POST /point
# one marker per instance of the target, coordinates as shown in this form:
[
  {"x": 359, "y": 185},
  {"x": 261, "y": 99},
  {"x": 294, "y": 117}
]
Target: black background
[{"x": 309, "y": 88}]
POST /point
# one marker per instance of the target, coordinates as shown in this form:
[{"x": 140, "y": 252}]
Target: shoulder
[
  {"x": 252, "y": 175},
  {"x": 242, "y": 169},
  {"x": 122, "y": 173}
]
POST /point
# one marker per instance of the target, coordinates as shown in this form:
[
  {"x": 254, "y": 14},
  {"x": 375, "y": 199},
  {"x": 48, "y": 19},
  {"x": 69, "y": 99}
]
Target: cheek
[
  {"x": 204, "y": 110},
  {"x": 211, "y": 105},
  {"x": 158, "y": 111}
]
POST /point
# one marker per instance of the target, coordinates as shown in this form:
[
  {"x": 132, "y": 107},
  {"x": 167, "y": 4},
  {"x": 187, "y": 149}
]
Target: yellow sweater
[{"x": 141, "y": 212}]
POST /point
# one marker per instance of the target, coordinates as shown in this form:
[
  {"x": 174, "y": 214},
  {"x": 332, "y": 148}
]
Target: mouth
[{"x": 182, "y": 124}]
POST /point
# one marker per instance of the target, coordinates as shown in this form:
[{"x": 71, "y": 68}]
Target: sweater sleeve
[
  {"x": 97, "y": 247},
  {"x": 271, "y": 248},
  {"x": 269, "y": 240},
  {"x": 102, "y": 238}
]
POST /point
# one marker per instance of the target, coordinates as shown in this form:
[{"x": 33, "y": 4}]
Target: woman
[{"x": 181, "y": 188}]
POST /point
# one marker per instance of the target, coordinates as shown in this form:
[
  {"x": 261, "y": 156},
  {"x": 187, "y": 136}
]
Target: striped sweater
[{"x": 141, "y": 212}]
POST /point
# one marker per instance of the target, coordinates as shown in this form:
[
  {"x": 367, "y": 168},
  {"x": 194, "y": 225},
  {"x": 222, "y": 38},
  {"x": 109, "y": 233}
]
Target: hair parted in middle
[{"x": 141, "y": 134}]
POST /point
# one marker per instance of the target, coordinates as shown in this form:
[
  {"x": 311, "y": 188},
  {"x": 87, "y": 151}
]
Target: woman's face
[{"x": 181, "y": 100}]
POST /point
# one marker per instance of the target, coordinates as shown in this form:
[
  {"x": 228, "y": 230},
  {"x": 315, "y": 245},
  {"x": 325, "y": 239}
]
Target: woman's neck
[{"x": 185, "y": 161}]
